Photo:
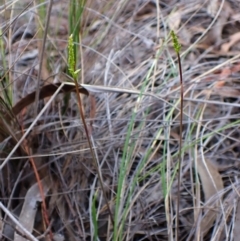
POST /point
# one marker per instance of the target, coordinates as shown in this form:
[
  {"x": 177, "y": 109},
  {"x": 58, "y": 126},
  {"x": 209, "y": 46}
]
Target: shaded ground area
[{"x": 125, "y": 45}]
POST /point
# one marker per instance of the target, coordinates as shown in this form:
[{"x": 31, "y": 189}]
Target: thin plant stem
[
  {"x": 177, "y": 48},
  {"x": 91, "y": 149},
  {"x": 180, "y": 143},
  {"x": 42, "y": 55}
]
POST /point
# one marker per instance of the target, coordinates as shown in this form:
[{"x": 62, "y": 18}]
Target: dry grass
[{"x": 125, "y": 45}]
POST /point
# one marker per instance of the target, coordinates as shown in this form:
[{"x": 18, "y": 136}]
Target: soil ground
[{"x": 124, "y": 45}]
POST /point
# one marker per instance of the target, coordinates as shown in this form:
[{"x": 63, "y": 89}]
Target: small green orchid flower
[
  {"x": 71, "y": 58},
  {"x": 176, "y": 44}
]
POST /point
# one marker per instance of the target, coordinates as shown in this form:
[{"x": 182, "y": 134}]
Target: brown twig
[{"x": 44, "y": 206}]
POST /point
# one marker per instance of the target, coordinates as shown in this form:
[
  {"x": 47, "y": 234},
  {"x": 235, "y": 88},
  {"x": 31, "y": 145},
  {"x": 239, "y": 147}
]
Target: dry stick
[
  {"x": 41, "y": 56},
  {"x": 44, "y": 206}
]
